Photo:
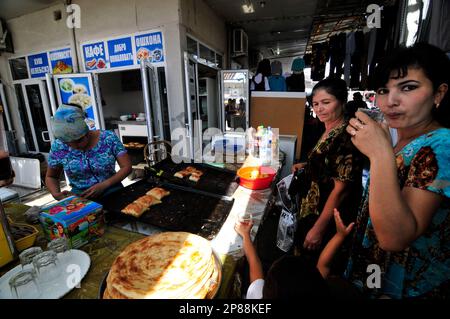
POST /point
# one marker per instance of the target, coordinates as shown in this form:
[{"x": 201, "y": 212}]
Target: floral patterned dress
[
  {"x": 87, "y": 168},
  {"x": 335, "y": 158},
  {"x": 423, "y": 269}
]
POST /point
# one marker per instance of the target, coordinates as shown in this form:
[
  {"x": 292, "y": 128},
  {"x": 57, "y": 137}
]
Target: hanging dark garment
[
  {"x": 439, "y": 24},
  {"x": 307, "y": 59},
  {"x": 385, "y": 41},
  {"x": 296, "y": 82},
  {"x": 371, "y": 48},
  {"x": 337, "y": 55},
  {"x": 320, "y": 56},
  {"x": 349, "y": 49},
  {"x": 364, "y": 62},
  {"x": 356, "y": 60},
  {"x": 258, "y": 86}
]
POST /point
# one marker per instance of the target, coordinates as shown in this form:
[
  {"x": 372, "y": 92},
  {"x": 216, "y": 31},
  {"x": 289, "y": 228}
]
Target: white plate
[{"x": 75, "y": 264}]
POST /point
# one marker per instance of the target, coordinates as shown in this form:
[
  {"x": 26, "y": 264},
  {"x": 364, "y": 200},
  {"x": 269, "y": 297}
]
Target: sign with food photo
[
  {"x": 94, "y": 56},
  {"x": 77, "y": 90},
  {"x": 149, "y": 46},
  {"x": 61, "y": 61}
]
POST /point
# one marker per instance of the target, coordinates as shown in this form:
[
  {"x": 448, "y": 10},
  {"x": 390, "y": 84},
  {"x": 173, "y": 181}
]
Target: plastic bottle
[
  {"x": 269, "y": 145},
  {"x": 263, "y": 148},
  {"x": 274, "y": 146},
  {"x": 258, "y": 142},
  {"x": 251, "y": 141}
]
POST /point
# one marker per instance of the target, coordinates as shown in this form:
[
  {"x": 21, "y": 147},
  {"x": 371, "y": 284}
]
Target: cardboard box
[{"x": 78, "y": 219}]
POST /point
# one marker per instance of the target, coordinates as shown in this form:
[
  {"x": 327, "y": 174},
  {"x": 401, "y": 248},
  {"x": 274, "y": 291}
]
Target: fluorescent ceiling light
[{"x": 247, "y": 7}]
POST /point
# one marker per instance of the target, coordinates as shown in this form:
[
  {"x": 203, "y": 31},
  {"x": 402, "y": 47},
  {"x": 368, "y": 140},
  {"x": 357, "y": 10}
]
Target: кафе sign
[{"x": 123, "y": 51}]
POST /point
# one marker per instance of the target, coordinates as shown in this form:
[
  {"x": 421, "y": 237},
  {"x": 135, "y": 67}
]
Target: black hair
[
  {"x": 333, "y": 86},
  {"x": 434, "y": 63},
  {"x": 294, "y": 277}
]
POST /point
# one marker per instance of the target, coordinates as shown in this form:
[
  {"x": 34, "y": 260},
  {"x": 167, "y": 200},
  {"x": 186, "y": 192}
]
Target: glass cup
[
  {"x": 26, "y": 256},
  {"x": 244, "y": 217},
  {"x": 24, "y": 285},
  {"x": 58, "y": 245},
  {"x": 375, "y": 115},
  {"x": 47, "y": 266}
]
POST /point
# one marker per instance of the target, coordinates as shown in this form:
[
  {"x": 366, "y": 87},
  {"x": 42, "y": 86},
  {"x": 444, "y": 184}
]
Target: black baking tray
[
  {"x": 185, "y": 209},
  {"x": 214, "y": 180}
]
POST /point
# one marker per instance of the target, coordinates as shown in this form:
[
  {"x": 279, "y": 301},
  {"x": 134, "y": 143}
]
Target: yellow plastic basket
[{"x": 27, "y": 241}]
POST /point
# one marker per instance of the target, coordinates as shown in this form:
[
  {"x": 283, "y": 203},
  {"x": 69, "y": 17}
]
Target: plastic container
[
  {"x": 227, "y": 145},
  {"x": 253, "y": 177}
]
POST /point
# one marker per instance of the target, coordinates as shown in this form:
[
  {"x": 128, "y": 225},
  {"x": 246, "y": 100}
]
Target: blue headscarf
[{"x": 68, "y": 123}]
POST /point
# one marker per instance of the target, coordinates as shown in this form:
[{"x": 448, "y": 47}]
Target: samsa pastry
[
  {"x": 134, "y": 209},
  {"x": 147, "y": 201},
  {"x": 182, "y": 174},
  {"x": 158, "y": 192},
  {"x": 195, "y": 177}
]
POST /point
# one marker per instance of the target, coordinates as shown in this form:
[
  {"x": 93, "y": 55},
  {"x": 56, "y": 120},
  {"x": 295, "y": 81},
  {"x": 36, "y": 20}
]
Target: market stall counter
[{"x": 225, "y": 242}]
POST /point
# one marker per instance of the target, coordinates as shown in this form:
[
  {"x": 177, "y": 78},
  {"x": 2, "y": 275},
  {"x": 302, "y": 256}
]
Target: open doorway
[
  {"x": 121, "y": 95},
  {"x": 208, "y": 97},
  {"x": 122, "y": 99}
]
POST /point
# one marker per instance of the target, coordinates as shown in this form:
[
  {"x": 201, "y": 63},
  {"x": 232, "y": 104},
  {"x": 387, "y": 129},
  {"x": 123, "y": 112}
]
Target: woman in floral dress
[
  {"x": 332, "y": 177},
  {"x": 401, "y": 245}
]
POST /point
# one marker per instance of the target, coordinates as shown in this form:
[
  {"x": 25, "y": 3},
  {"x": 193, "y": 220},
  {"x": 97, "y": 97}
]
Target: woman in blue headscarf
[{"x": 88, "y": 157}]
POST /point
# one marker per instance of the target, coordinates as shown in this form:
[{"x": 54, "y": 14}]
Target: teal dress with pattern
[
  {"x": 423, "y": 269},
  {"x": 87, "y": 168}
]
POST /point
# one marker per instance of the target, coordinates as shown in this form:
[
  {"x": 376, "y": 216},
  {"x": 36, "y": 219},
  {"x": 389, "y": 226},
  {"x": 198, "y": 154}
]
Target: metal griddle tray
[
  {"x": 214, "y": 180},
  {"x": 185, "y": 209}
]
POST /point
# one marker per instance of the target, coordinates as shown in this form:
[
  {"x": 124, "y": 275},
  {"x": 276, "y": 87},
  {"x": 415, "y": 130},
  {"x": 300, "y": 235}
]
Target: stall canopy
[{"x": 288, "y": 28}]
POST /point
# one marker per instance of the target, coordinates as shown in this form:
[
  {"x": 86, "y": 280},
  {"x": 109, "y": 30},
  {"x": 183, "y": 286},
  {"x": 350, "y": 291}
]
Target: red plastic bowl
[{"x": 257, "y": 183}]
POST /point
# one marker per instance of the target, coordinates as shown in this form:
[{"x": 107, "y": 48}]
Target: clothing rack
[{"x": 341, "y": 24}]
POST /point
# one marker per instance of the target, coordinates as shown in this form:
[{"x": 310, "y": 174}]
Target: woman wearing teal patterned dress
[
  {"x": 87, "y": 157},
  {"x": 403, "y": 226}
]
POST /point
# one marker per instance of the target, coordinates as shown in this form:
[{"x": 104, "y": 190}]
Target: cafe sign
[{"x": 123, "y": 52}]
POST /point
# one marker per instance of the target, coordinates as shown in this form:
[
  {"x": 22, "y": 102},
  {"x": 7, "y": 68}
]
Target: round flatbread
[{"x": 165, "y": 265}]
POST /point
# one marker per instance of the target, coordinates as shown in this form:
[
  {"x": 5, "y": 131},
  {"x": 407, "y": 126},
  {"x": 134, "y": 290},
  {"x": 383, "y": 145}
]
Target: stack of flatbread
[
  {"x": 193, "y": 173},
  {"x": 170, "y": 265},
  {"x": 143, "y": 203}
]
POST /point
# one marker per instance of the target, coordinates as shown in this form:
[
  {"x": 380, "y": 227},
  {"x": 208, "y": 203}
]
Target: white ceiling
[
  {"x": 290, "y": 25},
  {"x": 280, "y": 24}
]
